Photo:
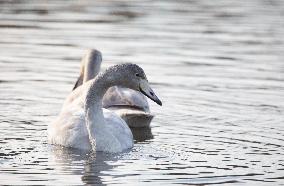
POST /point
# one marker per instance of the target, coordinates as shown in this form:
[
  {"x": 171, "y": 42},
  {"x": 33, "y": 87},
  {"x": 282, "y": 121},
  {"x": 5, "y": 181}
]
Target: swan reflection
[{"x": 89, "y": 165}]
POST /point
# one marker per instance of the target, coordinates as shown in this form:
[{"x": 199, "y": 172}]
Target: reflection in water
[
  {"x": 93, "y": 163},
  {"x": 142, "y": 133}
]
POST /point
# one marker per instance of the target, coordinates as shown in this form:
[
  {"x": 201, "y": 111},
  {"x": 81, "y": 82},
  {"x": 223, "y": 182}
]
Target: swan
[
  {"x": 130, "y": 105},
  {"x": 84, "y": 124}
]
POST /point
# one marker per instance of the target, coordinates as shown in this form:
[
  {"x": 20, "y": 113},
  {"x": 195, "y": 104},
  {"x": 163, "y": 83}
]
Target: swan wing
[
  {"x": 119, "y": 129},
  {"x": 77, "y": 95},
  {"x": 69, "y": 129}
]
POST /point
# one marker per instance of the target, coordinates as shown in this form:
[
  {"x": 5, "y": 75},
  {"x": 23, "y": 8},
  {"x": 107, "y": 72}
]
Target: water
[{"x": 216, "y": 65}]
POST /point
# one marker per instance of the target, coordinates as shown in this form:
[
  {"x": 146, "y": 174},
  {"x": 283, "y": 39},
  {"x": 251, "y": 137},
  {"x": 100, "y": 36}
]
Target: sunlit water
[{"x": 218, "y": 67}]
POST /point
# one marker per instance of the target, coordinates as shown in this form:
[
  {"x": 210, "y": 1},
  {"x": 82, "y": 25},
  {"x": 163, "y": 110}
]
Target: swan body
[
  {"x": 131, "y": 105},
  {"x": 84, "y": 124}
]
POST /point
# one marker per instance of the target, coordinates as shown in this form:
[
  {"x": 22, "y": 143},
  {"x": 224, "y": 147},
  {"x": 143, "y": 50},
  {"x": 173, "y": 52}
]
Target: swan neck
[
  {"x": 92, "y": 64},
  {"x": 95, "y": 95},
  {"x": 94, "y": 117}
]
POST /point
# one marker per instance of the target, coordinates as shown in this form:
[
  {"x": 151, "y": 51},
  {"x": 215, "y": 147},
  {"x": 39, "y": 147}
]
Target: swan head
[{"x": 132, "y": 76}]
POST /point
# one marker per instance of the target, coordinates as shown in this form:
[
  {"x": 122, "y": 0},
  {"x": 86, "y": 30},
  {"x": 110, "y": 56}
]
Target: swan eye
[{"x": 137, "y": 75}]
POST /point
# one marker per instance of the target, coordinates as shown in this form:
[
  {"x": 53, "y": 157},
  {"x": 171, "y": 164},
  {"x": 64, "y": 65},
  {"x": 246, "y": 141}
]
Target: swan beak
[{"x": 145, "y": 88}]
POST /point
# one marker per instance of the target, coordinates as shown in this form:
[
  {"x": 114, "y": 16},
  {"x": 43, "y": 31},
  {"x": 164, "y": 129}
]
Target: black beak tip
[
  {"x": 151, "y": 97},
  {"x": 159, "y": 102}
]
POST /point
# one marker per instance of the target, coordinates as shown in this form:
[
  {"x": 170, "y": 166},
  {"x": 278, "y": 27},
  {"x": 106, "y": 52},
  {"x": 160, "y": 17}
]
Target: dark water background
[{"x": 218, "y": 66}]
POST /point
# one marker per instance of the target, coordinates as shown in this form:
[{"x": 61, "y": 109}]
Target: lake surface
[{"x": 218, "y": 67}]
